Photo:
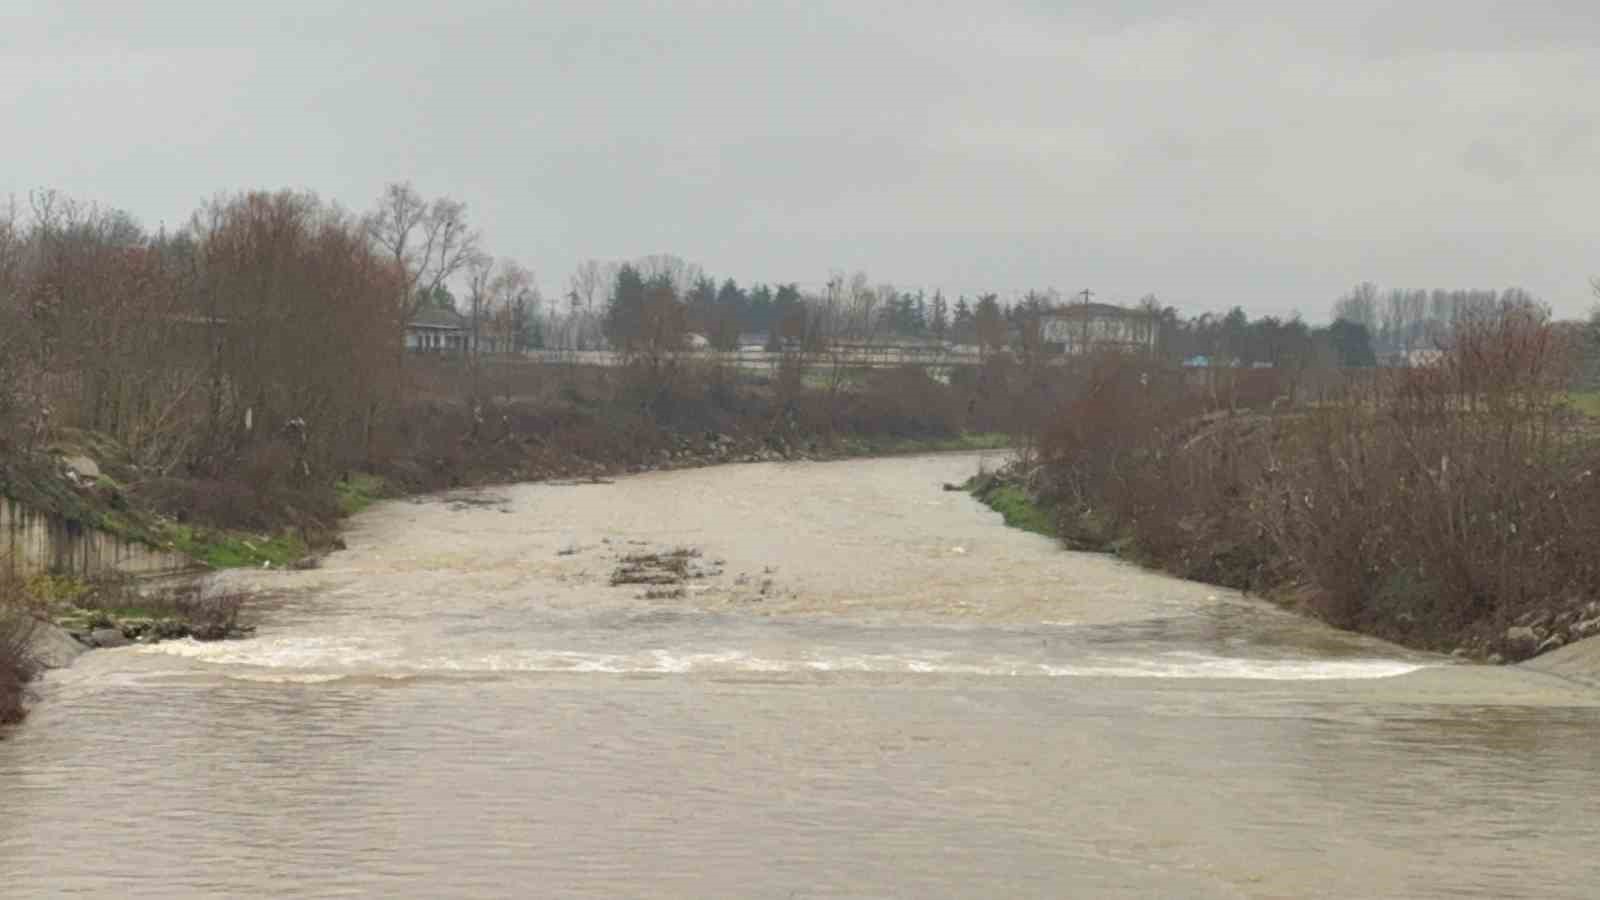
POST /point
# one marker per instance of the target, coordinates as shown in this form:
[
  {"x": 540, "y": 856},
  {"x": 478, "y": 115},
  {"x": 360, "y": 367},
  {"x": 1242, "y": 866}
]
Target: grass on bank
[
  {"x": 234, "y": 550},
  {"x": 119, "y": 602},
  {"x": 1014, "y": 505},
  {"x": 1586, "y": 402},
  {"x": 39, "y": 486},
  {"x": 223, "y": 549},
  {"x": 361, "y": 490},
  {"x": 16, "y": 668},
  {"x": 887, "y": 445}
]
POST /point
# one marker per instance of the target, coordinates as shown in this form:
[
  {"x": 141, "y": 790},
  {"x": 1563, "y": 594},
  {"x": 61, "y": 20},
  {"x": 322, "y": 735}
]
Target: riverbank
[{"x": 1021, "y": 496}]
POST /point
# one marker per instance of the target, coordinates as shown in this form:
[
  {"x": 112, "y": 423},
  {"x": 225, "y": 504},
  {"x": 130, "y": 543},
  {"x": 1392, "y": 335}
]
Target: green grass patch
[
  {"x": 1012, "y": 503},
  {"x": 54, "y": 590},
  {"x": 982, "y": 440},
  {"x": 360, "y": 491},
  {"x": 889, "y": 445},
  {"x": 1586, "y": 402},
  {"x": 81, "y": 618},
  {"x": 233, "y": 550}
]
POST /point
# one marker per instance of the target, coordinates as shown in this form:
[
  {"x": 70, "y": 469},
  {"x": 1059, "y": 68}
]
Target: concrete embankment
[{"x": 34, "y": 541}]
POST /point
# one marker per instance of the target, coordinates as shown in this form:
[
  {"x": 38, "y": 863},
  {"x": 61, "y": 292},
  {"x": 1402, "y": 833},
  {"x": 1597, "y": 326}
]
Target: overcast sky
[{"x": 1267, "y": 154}]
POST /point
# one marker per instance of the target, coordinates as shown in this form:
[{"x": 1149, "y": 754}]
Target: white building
[
  {"x": 1081, "y": 327},
  {"x": 436, "y": 330}
]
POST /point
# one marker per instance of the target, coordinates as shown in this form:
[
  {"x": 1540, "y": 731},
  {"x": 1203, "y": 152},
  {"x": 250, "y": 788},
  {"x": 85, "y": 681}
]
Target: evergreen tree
[
  {"x": 1236, "y": 335},
  {"x": 532, "y": 331},
  {"x": 962, "y": 329},
  {"x": 939, "y": 316},
  {"x": 1352, "y": 343},
  {"x": 759, "y": 317},
  {"x": 702, "y": 303},
  {"x": 437, "y": 298},
  {"x": 989, "y": 321},
  {"x": 731, "y": 299},
  {"x": 788, "y": 314},
  {"x": 624, "y": 318},
  {"x": 730, "y": 312}
]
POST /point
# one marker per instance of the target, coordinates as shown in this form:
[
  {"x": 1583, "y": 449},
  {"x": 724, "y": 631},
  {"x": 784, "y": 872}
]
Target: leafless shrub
[
  {"x": 302, "y": 339},
  {"x": 1431, "y": 499},
  {"x": 17, "y": 666},
  {"x": 1420, "y": 503},
  {"x": 204, "y": 611},
  {"x": 903, "y": 402}
]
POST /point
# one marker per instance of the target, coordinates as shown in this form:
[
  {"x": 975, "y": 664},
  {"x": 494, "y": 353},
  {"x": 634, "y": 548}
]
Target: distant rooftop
[
  {"x": 1097, "y": 310},
  {"x": 436, "y": 317}
]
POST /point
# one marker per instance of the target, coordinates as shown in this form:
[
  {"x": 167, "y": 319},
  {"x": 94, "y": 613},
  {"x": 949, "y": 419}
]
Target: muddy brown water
[{"x": 872, "y": 689}]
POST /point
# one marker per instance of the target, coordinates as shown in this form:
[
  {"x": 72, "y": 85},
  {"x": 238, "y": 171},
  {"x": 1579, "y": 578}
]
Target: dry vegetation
[
  {"x": 236, "y": 378},
  {"x": 18, "y": 613},
  {"x": 16, "y": 668},
  {"x": 1444, "y": 506}
]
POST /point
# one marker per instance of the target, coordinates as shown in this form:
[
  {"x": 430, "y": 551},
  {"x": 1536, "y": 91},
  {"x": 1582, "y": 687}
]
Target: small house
[
  {"x": 437, "y": 330},
  {"x": 1080, "y": 328}
]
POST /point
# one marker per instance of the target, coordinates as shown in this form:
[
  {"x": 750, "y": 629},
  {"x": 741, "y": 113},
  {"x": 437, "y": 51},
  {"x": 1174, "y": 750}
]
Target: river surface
[{"x": 872, "y": 688}]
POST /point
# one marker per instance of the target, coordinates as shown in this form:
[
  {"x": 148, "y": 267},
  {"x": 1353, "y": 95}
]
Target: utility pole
[{"x": 1083, "y": 349}]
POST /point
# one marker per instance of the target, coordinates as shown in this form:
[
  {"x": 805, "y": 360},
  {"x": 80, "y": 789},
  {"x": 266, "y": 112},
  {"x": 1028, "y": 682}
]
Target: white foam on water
[
  {"x": 315, "y": 660},
  {"x": 286, "y": 678},
  {"x": 1250, "y": 669},
  {"x": 281, "y": 652},
  {"x": 281, "y": 677}
]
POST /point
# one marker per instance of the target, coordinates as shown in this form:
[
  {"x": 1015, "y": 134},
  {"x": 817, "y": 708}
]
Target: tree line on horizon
[{"x": 267, "y": 307}]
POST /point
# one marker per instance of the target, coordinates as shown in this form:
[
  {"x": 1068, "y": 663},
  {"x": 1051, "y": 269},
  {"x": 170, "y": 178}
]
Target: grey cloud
[
  {"x": 1266, "y": 154},
  {"x": 1490, "y": 160}
]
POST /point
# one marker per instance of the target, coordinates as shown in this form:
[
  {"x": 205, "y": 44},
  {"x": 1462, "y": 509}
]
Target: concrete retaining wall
[{"x": 32, "y": 542}]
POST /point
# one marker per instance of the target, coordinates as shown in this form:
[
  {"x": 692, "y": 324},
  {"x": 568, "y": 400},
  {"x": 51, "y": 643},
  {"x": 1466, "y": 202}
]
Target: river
[{"x": 873, "y": 688}]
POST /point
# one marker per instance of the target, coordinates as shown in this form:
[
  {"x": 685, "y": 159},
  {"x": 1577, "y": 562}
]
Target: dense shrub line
[
  {"x": 1453, "y": 505},
  {"x": 232, "y": 374},
  {"x": 16, "y": 668}
]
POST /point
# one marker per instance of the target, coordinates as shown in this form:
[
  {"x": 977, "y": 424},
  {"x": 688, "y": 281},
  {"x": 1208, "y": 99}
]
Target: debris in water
[{"x": 670, "y": 568}]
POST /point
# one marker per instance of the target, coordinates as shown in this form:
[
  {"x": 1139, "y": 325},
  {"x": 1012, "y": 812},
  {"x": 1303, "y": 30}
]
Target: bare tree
[
  {"x": 861, "y": 308},
  {"x": 428, "y": 241},
  {"x": 479, "y": 272},
  {"x": 990, "y": 323},
  {"x": 20, "y": 411},
  {"x": 513, "y": 301},
  {"x": 586, "y": 286},
  {"x": 501, "y": 299},
  {"x": 307, "y": 336},
  {"x": 672, "y": 270},
  {"x": 838, "y": 324},
  {"x": 1359, "y": 306}
]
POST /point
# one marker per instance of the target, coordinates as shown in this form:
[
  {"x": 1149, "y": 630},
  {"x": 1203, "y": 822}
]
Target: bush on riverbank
[
  {"x": 134, "y": 610},
  {"x": 515, "y": 421},
  {"x": 1453, "y": 505},
  {"x": 193, "y": 609},
  {"x": 16, "y": 670},
  {"x": 234, "y": 379},
  {"x": 16, "y": 662},
  {"x": 473, "y": 422}
]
